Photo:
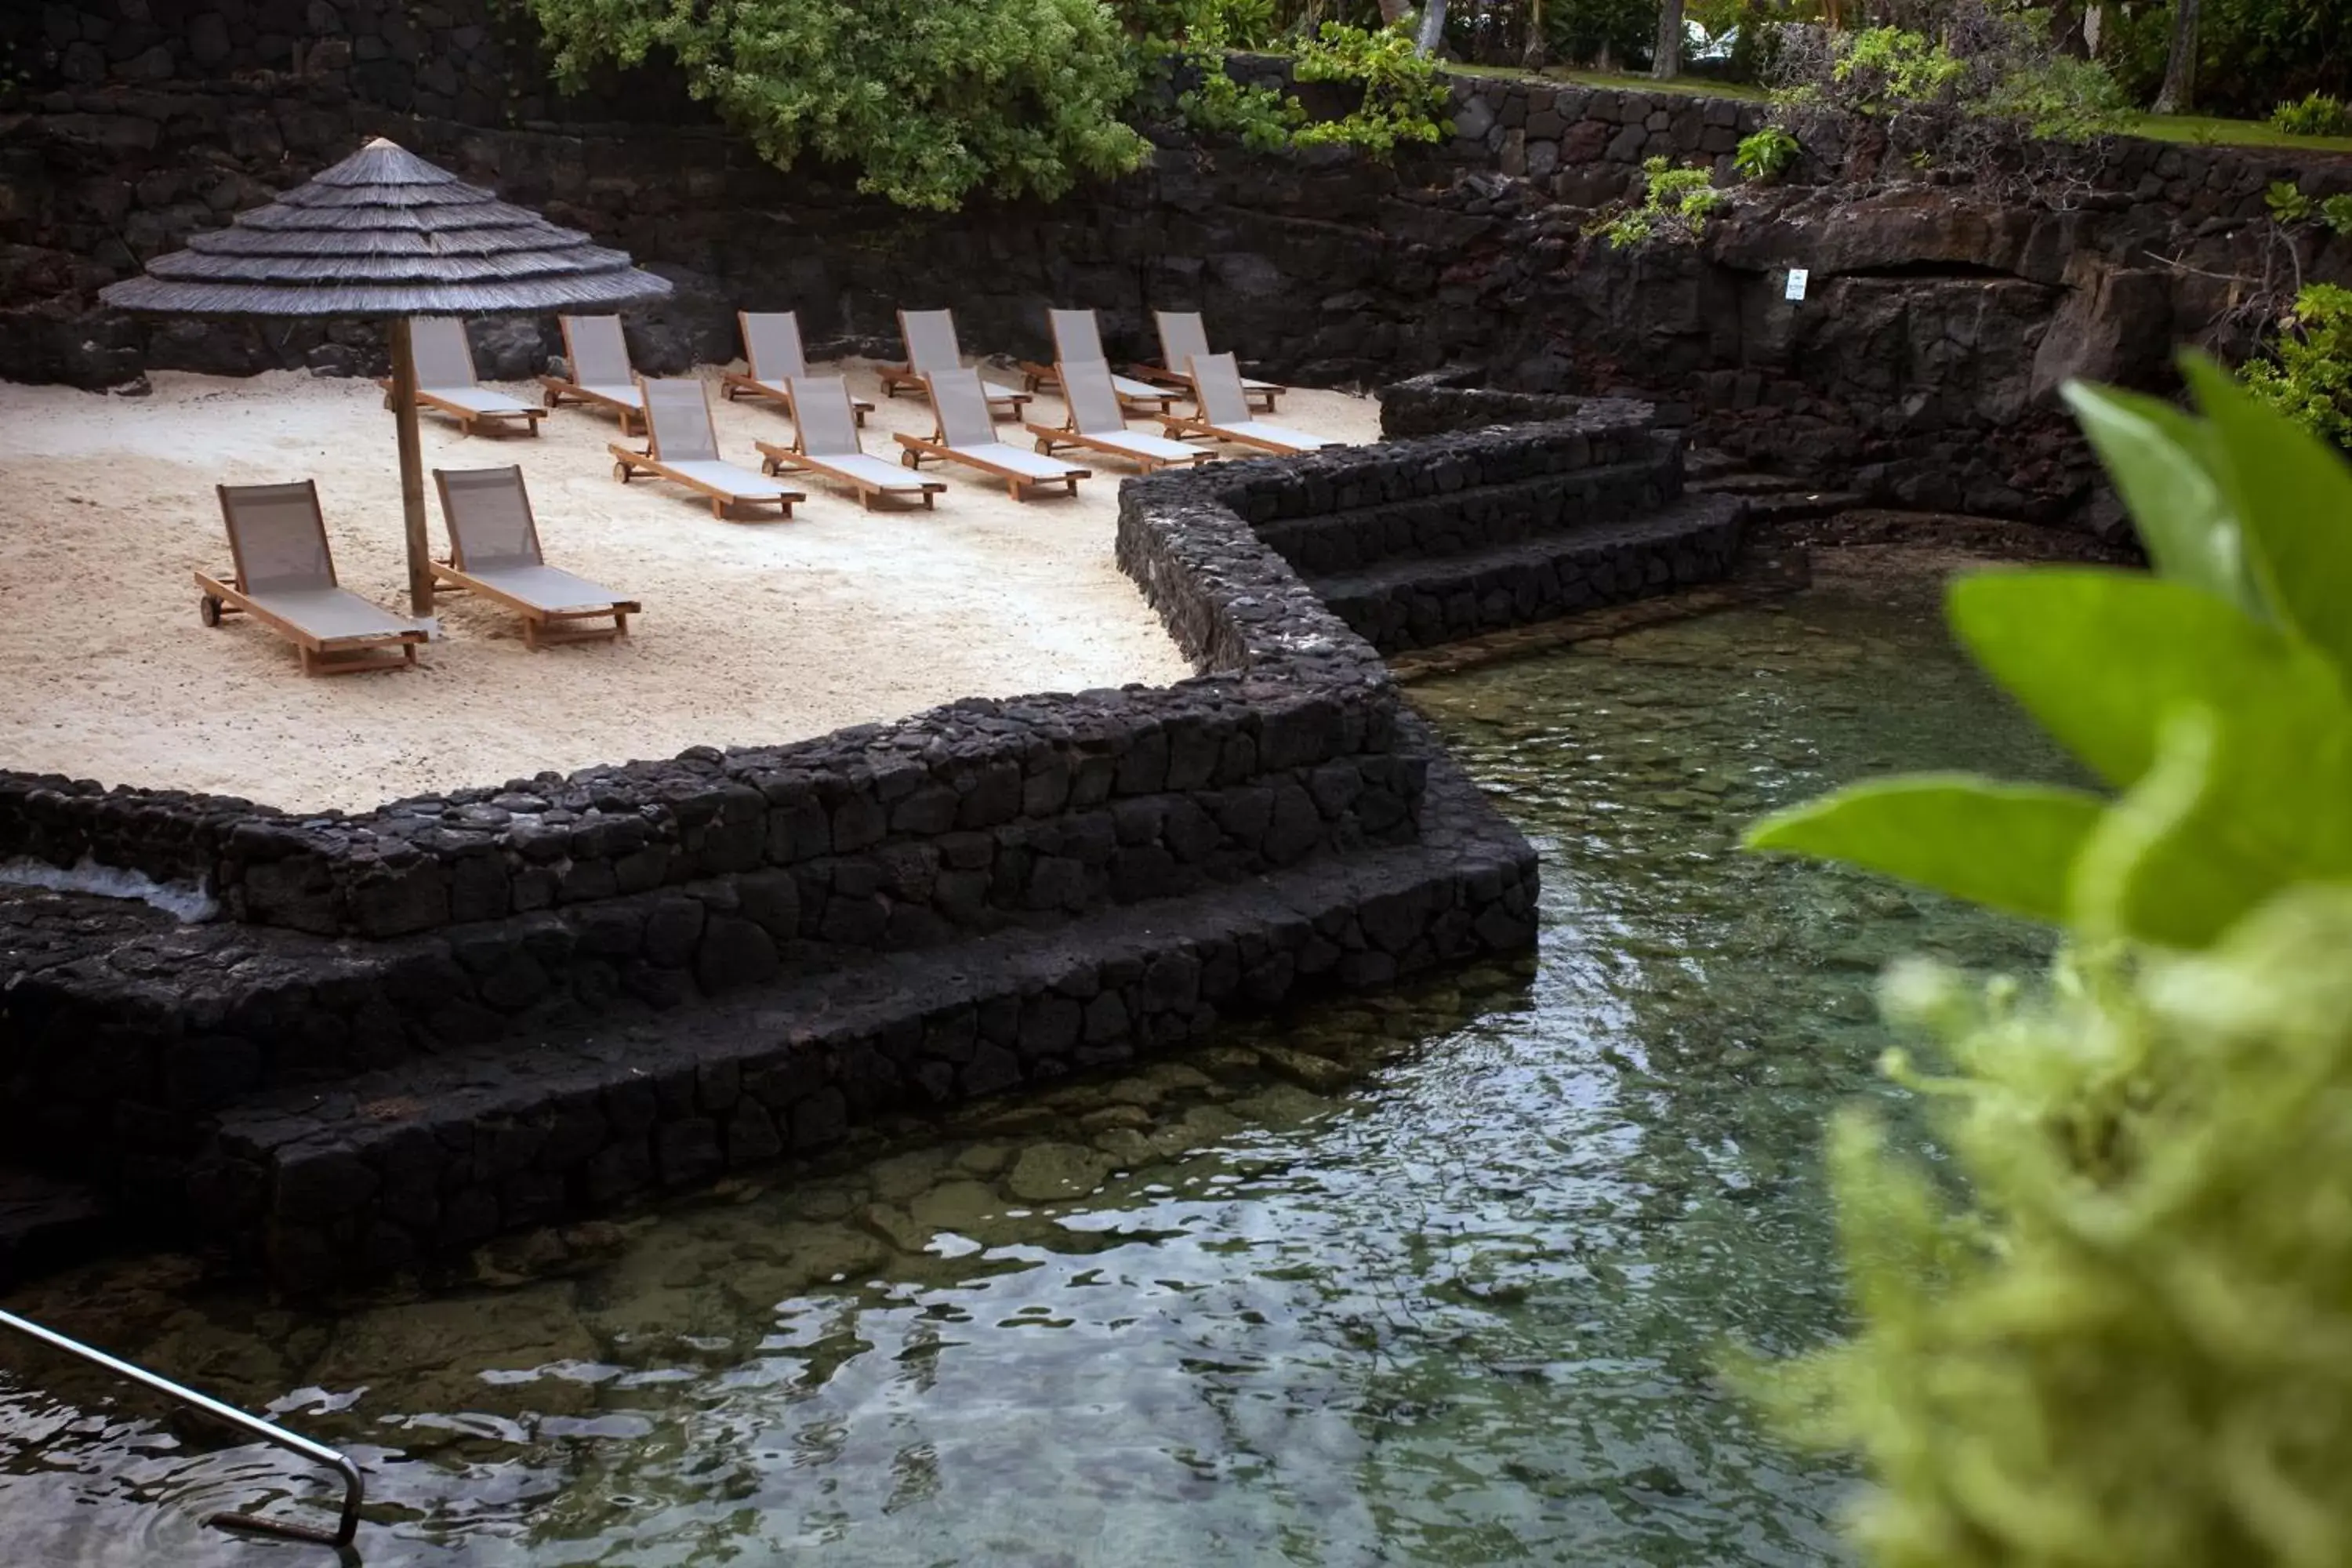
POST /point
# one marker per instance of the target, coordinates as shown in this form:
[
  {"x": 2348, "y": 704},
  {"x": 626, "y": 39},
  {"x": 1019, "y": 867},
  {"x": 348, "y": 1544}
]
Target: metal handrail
[{"x": 354, "y": 1488}]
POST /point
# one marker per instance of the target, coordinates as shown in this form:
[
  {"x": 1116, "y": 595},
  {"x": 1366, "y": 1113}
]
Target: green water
[{"x": 1434, "y": 1280}]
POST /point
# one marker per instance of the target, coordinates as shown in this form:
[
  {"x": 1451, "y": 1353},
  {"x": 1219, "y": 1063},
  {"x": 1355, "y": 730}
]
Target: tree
[
  {"x": 1667, "y": 63},
  {"x": 2178, "y": 94},
  {"x": 928, "y": 99},
  {"x": 1433, "y": 27}
]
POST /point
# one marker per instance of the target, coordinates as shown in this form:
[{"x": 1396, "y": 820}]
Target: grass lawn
[
  {"x": 1693, "y": 86},
  {"x": 2206, "y": 131},
  {"x": 2201, "y": 130}
]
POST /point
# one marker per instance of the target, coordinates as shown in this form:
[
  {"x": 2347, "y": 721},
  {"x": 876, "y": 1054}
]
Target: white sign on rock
[{"x": 1797, "y": 278}]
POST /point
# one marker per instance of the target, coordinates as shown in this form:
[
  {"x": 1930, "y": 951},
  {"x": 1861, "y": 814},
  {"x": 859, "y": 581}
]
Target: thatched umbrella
[{"x": 384, "y": 233}]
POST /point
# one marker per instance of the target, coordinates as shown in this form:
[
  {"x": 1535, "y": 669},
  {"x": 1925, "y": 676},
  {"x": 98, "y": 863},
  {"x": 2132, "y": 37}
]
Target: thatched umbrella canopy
[{"x": 384, "y": 233}]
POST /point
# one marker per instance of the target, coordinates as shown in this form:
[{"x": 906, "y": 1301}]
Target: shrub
[
  {"x": 2131, "y": 1347},
  {"x": 1675, "y": 206},
  {"x": 1218, "y": 105},
  {"x": 2289, "y": 205},
  {"x": 1402, "y": 97},
  {"x": 928, "y": 99},
  {"x": 1765, "y": 154},
  {"x": 2316, "y": 115},
  {"x": 1982, "y": 97},
  {"x": 2307, "y": 374}
]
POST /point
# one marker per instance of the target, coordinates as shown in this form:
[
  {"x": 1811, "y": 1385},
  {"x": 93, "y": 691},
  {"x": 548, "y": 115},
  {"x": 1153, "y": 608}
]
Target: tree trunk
[
  {"x": 2066, "y": 23},
  {"x": 1433, "y": 27},
  {"x": 1394, "y": 11},
  {"x": 1667, "y": 63},
  {"x": 2178, "y": 94}
]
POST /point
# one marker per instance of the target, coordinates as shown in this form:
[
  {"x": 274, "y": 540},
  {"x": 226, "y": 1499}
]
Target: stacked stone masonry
[{"x": 415, "y": 1026}]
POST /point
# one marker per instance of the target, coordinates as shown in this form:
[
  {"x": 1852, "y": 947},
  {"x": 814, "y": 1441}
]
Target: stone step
[
  {"x": 1747, "y": 482},
  {"x": 1457, "y": 524},
  {"x": 1802, "y": 506},
  {"x": 46, "y": 1223},
  {"x": 409, "y": 1168},
  {"x": 1412, "y": 604}
]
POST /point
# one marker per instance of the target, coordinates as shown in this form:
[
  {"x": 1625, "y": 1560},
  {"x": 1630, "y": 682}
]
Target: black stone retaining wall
[
  {"x": 544, "y": 910},
  {"x": 1922, "y": 369}
]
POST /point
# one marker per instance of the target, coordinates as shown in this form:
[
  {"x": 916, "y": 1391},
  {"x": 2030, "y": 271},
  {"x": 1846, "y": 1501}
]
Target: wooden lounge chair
[
  {"x": 1078, "y": 339},
  {"x": 599, "y": 360},
  {"x": 1224, "y": 412},
  {"x": 930, "y": 340},
  {"x": 1182, "y": 340},
  {"x": 967, "y": 434},
  {"x": 446, "y": 380},
  {"x": 825, "y": 444},
  {"x": 1098, "y": 423},
  {"x": 494, "y": 552},
  {"x": 771, "y": 347},
  {"x": 683, "y": 447},
  {"x": 285, "y": 578}
]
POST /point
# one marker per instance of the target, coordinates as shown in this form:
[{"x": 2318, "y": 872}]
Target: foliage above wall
[
  {"x": 929, "y": 100},
  {"x": 2307, "y": 374}
]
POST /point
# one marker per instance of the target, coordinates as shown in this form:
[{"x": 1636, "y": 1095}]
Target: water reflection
[{"x": 1432, "y": 1279}]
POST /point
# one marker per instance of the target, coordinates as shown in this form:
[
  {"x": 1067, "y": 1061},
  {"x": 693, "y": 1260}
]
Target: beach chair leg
[
  {"x": 530, "y": 632},
  {"x": 928, "y": 497}
]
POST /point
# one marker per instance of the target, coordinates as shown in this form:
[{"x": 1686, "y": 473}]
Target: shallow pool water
[{"x": 1436, "y": 1279}]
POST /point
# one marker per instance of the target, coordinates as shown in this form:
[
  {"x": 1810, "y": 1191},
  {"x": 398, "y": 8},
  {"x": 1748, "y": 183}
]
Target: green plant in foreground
[
  {"x": 2211, "y": 696},
  {"x": 2308, "y": 373},
  {"x": 2314, "y": 115},
  {"x": 1675, "y": 206},
  {"x": 1765, "y": 154},
  {"x": 2131, "y": 1346},
  {"x": 928, "y": 99}
]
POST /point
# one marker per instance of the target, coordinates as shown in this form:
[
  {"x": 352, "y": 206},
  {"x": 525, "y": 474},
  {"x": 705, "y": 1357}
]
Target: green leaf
[
  {"x": 2292, "y": 497},
  {"x": 2008, "y": 845},
  {"x": 2170, "y": 471},
  {"x": 2102, "y": 656},
  {"x": 2105, "y": 660},
  {"x": 2148, "y": 871}
]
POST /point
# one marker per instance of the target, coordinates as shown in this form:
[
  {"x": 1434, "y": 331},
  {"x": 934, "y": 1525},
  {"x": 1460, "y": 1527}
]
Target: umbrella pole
[{"x": 412, "y": 469}]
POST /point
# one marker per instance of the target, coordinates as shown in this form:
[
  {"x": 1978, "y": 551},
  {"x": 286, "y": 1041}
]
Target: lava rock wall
[{"x": 1921, "y": 368}]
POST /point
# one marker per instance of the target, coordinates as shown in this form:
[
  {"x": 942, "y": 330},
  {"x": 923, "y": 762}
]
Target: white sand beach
[{"x": 753, "y": 633}]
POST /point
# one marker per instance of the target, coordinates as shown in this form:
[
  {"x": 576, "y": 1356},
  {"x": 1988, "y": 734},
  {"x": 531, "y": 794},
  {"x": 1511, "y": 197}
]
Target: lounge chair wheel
[
  {"x": 909, "y": 457},
  {"x": 208, "y": 609},
  {"x": 621, "y": 472}
]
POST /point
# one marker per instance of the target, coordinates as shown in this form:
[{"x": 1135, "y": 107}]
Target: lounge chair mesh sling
[
  {"x": 445, "y": 378},
  {"x": 774, "y": 351},
  {"x": 1224, "y": 412},
  {"x": 598, "y": 356},
  {"x": 683, "y": 447},
  {"x": 825, "y": 444},
  {"x": 931, "y": 347},
  {"x": 494, "y": 552},
  {"x": 1182, "y": 340},
  {"x": 1098, "y": 424},
  {"x": 285, "y": 579},
  {"x": 967, "y": 434},
  {"x": 1078, "y": 339}
]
